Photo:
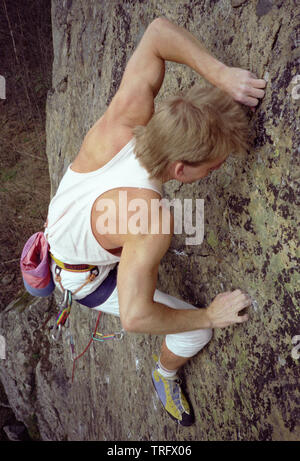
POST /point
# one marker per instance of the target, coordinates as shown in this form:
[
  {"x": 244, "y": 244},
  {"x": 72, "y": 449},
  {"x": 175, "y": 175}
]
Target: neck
[{"x": 167, "y": 176}]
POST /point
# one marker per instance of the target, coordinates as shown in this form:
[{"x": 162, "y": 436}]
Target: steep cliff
[{"x": 245, "y": 384}]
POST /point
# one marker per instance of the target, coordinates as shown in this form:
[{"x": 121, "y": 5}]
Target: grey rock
[
  {"x": 7, "y": 279},
  {"x": 16, "y": 432},
  {"x": 263, "y": 7},
  {"x": 237, "y": 385},
  {"x": 236, "y": 3}
]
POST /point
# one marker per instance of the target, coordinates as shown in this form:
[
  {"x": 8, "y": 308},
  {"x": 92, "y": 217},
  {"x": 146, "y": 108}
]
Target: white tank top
[{"x": 69, "y": 231}]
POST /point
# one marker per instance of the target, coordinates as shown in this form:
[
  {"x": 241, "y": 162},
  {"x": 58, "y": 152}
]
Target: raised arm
[
  {"x": 176, "y": 44},
  {"x": 145, "y": 70}
]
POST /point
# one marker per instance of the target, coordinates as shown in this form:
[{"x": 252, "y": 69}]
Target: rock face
[{"x": 245, "y": 384}]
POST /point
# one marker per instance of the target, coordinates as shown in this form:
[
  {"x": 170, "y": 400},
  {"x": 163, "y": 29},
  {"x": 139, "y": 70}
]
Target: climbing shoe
[{"x": 172, "y": 398}]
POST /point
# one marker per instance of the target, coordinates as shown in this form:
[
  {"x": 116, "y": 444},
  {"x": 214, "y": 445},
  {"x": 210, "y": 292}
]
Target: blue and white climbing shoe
[{"x": 172, "y": 398}]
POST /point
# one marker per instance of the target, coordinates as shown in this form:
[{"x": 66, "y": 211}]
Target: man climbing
[{"x": 134, "y": 150}]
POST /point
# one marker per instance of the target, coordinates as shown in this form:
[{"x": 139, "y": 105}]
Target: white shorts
[{"x": 186, "y": 344}]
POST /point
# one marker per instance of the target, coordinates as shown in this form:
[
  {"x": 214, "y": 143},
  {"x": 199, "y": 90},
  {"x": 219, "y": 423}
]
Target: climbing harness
[
  {"x": 62, "y": 319},
  {"x": 72, "y": 267},
  {"x": 66, "y": 303}
]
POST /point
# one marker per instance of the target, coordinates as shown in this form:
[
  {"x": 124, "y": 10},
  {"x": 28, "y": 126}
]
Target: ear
[{"x": 179, "y": 171}]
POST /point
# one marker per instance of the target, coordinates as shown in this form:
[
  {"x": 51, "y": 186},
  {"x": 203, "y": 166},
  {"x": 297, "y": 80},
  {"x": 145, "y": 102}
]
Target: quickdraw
[
  {"x": 63, "y": 315},
  {"x": 116, "y": 336}
]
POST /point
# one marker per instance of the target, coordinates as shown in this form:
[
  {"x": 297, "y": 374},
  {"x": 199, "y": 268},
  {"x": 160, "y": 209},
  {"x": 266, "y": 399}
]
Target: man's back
[{"x": 105, "y": 139}]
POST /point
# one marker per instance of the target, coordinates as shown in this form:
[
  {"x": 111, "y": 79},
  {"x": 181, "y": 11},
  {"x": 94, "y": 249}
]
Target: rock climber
[{"x": 135, "y": 149}]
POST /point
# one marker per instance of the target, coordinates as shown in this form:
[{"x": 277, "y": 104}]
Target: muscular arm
[
  {"x": 137, "y": 277},
  {"x": 174, "y": 43},
  {"x": 144, "y": 73},
  {"x": 133, "y": 103}
]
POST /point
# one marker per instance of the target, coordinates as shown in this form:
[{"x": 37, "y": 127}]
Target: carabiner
[
  {"x": 71, "y": 343},
  {"x": 64, "y": 301},
  {"x": 56, "y": 333},
  {"x": 119, "y": 335}
]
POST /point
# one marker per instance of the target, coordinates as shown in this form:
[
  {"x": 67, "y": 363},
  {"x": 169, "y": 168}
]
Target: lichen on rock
[{"x": 245, "y": 384}]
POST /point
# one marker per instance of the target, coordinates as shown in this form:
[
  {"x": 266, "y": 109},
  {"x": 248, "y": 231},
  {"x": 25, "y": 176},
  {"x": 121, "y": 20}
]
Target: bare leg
[{"x": 169, "y": 360}]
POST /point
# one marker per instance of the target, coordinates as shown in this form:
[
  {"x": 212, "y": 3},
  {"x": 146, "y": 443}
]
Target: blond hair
[{"x": 201, "y": 125}]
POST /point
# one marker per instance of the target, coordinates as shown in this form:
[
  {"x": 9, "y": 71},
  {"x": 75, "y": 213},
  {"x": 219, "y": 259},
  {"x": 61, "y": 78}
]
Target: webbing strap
[{"x": 72, "y": 267}]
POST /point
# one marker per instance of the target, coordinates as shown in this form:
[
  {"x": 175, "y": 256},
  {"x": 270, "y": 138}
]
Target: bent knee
[
  {"x": 208, "y": 335},
  {"x": 189, "y": 343},
  {"x": 203, "y": 338}
]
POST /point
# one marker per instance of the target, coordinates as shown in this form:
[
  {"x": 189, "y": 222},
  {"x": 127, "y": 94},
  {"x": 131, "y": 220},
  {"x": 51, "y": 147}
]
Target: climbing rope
[
  {"x": 87, "y": 347},
  {"x": 115, "y": 336},
  {"x": 64, "y": 312}
]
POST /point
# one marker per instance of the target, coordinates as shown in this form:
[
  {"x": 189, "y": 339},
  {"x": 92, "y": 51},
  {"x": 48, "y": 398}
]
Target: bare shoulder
[
  {"x": 132, "y": 105},
  {"x": 112, "y": 131},
  {"x": 127, "y": 110},
  {"x": 101, "y": 143},
  {"x": 133, "y": 212}
]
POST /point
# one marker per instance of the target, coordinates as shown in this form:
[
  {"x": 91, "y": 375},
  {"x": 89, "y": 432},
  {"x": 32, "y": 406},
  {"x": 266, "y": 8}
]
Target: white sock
[{"x": 166, "y": 373}]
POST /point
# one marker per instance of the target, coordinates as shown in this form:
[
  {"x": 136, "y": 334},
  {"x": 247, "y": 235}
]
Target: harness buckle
[
  {"x": 57, "y": 270},
  {"x": 95, "y": 271}
]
